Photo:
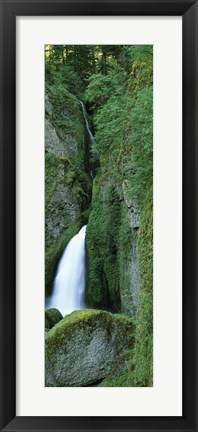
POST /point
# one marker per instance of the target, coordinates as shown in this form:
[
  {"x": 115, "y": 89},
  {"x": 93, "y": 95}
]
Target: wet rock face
[
  {"x": 112, "y": 247},
  {"x": 48, "y": 105},
  {"x": 83, "y": 347},
  {"x": 64, "y": 211},
  {"x": 131, "y": 206},
  {"x": 130, "y": 277},
  {"x": 67, "y": 183},
  {"x": 62, "y": 145}
]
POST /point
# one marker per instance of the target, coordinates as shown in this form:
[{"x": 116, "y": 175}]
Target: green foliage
[
  {"x": 137, "y": 53},
  {"x": 101, "y": 87},
  {"x": 116, "y": 83},
  {"x": 123, "y": 125},
  {"x": 110, "y": 122},
  {"x": 139, "y": 168},
  {"x": 98, "y": 90},
  {"x": 62, "y": 99},
  {"x": 119, "y": 376},
  {"x": 143, "y": 352},
  {"x": 65, "y": 76},
  {"x": 135, "y": 368},
  {"x": 141, "y": 76}
]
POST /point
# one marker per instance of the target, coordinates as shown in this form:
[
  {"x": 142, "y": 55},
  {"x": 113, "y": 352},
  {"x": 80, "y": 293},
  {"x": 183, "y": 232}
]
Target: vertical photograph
[{"x": 98, "y": 216}]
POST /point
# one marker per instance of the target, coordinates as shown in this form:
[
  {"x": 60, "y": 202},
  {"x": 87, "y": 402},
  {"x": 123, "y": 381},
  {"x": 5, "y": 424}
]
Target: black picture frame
[{"x": 188, "y": 9}]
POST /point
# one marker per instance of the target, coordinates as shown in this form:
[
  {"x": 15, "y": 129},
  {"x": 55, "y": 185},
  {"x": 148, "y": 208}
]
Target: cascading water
[
  {"x": 87, "y": 123},
  {"x": 69, "y": 283},
  {"x": 93, "y": 147}
]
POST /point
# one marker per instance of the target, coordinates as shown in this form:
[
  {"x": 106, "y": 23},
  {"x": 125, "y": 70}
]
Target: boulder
[
  {"x": 84, "y": 346},
  {"x": 52, "y": 317}
]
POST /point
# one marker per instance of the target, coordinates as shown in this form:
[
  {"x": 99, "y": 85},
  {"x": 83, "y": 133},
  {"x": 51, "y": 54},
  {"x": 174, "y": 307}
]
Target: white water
[
  {"x": 69, "y": 283},
  {"x": 87, "y": 123}
]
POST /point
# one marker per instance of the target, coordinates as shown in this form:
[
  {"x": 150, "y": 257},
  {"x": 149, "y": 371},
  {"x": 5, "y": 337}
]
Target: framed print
[{"x": 98, "y": 215}]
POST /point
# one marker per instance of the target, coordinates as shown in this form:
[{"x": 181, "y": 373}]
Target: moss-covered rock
[
  {"x": 53, "y": 316},
  {"x": 143, "y": 348},
  {"x": 112, "y": 247},
  {"x": 83, "y": 347},
  {"x": 119, "y": 375},
  {"x": 102, "y": 251},
  {"x": 47, "y": 324}
]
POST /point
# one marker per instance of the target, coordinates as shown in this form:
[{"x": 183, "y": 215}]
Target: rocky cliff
[
  {"x": 68, "y": 184},
  {"x": 112, "y": 245}
]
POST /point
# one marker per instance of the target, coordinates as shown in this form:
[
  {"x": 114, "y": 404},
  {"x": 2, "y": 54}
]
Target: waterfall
[
  {"x": 69, "y": 283},
  {"x": 87, "y": 123},
  {"x": 95, "y": 157}
]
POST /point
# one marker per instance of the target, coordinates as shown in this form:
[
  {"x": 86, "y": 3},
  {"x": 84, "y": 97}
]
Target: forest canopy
[{"x": 115, "y": 82}]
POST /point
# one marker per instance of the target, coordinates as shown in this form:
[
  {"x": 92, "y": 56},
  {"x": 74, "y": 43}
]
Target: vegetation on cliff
[
  {"x": 84, "y": 346},
  {"x": 115, "y": 84}
]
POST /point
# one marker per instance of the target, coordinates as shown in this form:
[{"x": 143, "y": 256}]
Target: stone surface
[
  {"x": 48, "y": 105},
  {"x": 132, "y": 208},
  {"x": 112, "y": 247},
  {"x": 83, "y": 347},
  {"x": 52, "y": 317},
  {"x": 63, "y": 211},
  {"x": 129, "y": 277},
  {"x": 64, "y": 145}
]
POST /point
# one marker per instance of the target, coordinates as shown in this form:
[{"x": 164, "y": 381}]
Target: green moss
[
  {"x": 53, "y": 166},
  {"x": 119, "y": 376},
  {"x": 62, "y": 100},
  {"x": 102, "y": 248},
  {"x": 141, "y": 76},
  {"x": 47, "y": 324},
  {"x": 125, "y": 253},
  {"x": 143, "y": 350},
  {"x": 52, "y": 316},
  {"x": 87, "y": 319},
  {"x": 109, "y": 238},
  {"x": 69, "y": 127},
  {"x": 139, "y": 370}
]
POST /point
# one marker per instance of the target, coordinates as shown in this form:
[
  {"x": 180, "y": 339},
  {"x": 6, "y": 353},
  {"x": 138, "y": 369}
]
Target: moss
[
  {"x": 102, "y": 248},
  {"x": 139, "y": 370},
  {"x": 141, "y": 76},
  {"x": 53, "y": 167},
  {"x": 109, "y": 240},
  {"x": 143, "y": 350},
  {"x": 52, "y": 316},
  {"x": 62, "y": 100},
  {"x": 47, "y": 324},
  {"x": 119, "y": 376},
  {"x": 125, "y": 255},
  {"x": 67, "y": 127}
]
